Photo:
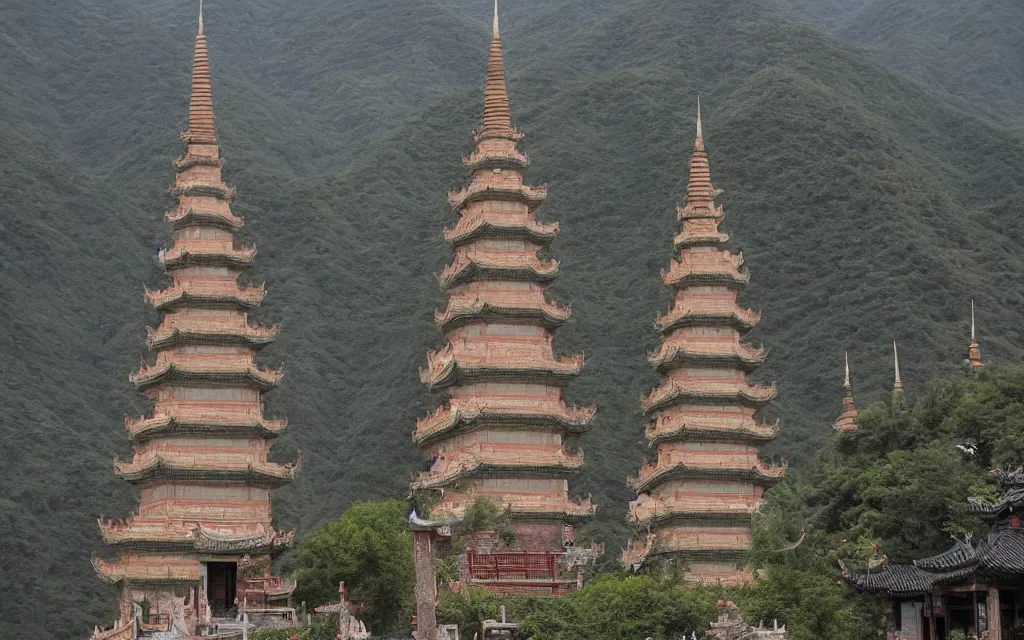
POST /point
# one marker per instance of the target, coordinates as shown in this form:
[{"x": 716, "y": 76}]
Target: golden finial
[
  {"x": 201, "y": 17},
  {"x": 897, "y": 385},
  {"x": 496, "y": 33}
]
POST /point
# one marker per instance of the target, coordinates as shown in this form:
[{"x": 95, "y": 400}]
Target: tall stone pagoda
[
  {"x": 501, "y": 431},
  {"x": 847, "y": 422},
  {"x": 974, "y": 349},
  {"x": 695, "y": 501},
  {"x": 200, "y": 461}
]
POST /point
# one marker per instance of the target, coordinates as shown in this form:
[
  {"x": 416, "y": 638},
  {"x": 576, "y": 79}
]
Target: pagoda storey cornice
[
  {"x": 491, "y": 156},
  {"x": 144, "y": 468},
  {"x": 205, "y": 330},
  {"x": 462, "y": 310},
  {"x": 493, "y": 459},
  {"x": 481, "y": 223},
  {"x": 206, "y": 367},
  {"x": 205, "y": 292},
  {"x": 479, "y": 262},
  {"x": 717, "y": 267},
  {"x": 191, "y": 159},
  {"x": 520, "y": 507},
  {"x": 699, "y": 238},
  {"x": 710, "y": 466},
  {"x": 708, "y": 428},
  {"x": 206, "y": 252},
  {"x": 181, "y": 218},
  {"x": 707, "y": 310},
  {"x": 451, "y": 366},
  {"x": 652, "y": 509},
  {"x": 175, "y": 535},
  {"x": 671, "y": 355},
  {"x": 194, "y": 189},
  {"x": 175, "y": 569},
  {"x": 532, "y": 197},
  {"x": 466, "y": 416},
  {"x": 707, "y": 392},
  {"x": 208, "y": 421}
]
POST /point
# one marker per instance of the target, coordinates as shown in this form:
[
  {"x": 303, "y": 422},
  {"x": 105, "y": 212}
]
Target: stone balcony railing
[{"x": 211, "y": 511}]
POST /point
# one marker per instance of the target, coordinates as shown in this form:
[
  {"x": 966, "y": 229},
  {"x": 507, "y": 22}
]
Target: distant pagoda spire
[
  {"x": 695, "y": 503},
  {"x": 974, "y": 349},
  {"x": 501, "y": 432},
  {"x": 897, "y": 384},
  {"x": 847, "y": 421},
  {"x": 200, "y": 458}
]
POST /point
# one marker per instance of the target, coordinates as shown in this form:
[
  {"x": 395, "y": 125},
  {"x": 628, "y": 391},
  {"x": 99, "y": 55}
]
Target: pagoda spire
[
  {"x": 200, "y": 108},
  {"x": 847, "y": 421},
  {"x": 897, "y": 385},
  {"x": 497, "y": 122},
  {"x": 974, "y": 349},
  {"x": 697, "y": 498}
]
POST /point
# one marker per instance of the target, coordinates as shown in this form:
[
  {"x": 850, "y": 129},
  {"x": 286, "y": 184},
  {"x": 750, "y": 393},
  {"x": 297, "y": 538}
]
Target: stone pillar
[
  {"x": 426, "y": 585},
  {"x": 995, "y": 622}
]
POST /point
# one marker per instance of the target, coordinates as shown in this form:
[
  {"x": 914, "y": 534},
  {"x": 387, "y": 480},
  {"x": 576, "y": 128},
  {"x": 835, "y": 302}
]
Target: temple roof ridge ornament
[{"x": 847, "y": 422}]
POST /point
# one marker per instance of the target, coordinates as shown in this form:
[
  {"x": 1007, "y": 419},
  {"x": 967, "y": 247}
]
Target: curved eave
[
  {"x": 253, "y": 375},
  {"x": 537, "y": 233},
  {"x": 270, "y": 475},
  {"x": 190, "y": 160},
  {"x": 173, "y": 296},
  {"x": 731, "y": 279},
  {"x": 667, "y": 323},
  {"x": 687, "y": 239},
  {"x": 730, "y": 553},
  {"x": 663, "y": 397},
  {"x": 496, "y": 160},
  {"x": 703, "y": 517},
  {"x": 205, "y": 218},
  {"x": 761, "y": 434},
  {"x": 219, "y": 191},
  {"x": 681, "y": 471},
  {"x": 532, "y": 197},
  {"x": 458, "y": 422},
  {"x": 238, "y": 259},
  {"x": 550, "y": 316},
  {"x": 456, "y": 374},
  {"x": 273, "y": 547},
  {"x": 745, "y": 359},
  {"x": 494, "y": 469},
  {"x": 254, "y": 338},
  {"x": 114, "y": 572},
  {"x": 541, "y": 273},
  {"x": 149, "y": 428}
]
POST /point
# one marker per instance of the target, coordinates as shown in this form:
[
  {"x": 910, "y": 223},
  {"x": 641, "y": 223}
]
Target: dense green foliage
[
  {"x": 868, "y": 207},
  {"x": 370, "y": 549}
]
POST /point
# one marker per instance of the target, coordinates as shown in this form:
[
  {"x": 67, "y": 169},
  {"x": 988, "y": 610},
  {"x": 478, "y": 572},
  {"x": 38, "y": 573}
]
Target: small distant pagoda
[
  {"x": 201, "y": 542},
  {"x": 696, "y": 501},
  {"x": 847, "y": 422},
  {"x": 974, "y": 349},
  {"x": 501, "y": 431}
]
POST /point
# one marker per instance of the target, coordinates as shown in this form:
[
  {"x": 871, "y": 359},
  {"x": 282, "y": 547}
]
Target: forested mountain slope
[{"x": 868, "y": 208}]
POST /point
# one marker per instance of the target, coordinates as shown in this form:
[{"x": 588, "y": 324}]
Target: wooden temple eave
[
  {"x": 461, "y": 311},
  {"x": 709, "y": 430},
  {"x": 189, "y": 422},
  {"x": 496, "y": 157},
  {"x": 451, "y": 366},
  {"x": 193, "y": 189},
  {"x": 671, "y": 355},
  {"x": 711, "y": 467},
  {"x": 496, "y": 460},
  {"x": 162, "y": 535},
  {"x": 159, "y": 569},
  {"x": 206, "y": 293},
  {"x": 465, "y": 417},
  {"x": 707, "y": 311},
  {"x": 215, "y": 369},
  {"x": 481, "y": 263},
  {"x": 173, "y": 333},
  {"x": 706, "y": 392},
  {"x": 655, "y": 510},
  {"x": 522, "y": 507},
  {"x": 180, "y": 219},
  {"x": 156, "y": 467},
  {"x": 532, "y": 197},
  {"x": 720, "y": 267},
  {"x": 689, "y": 238},
  {"x": 205, "y": 252},
  {"x": 481, "y": 224}
]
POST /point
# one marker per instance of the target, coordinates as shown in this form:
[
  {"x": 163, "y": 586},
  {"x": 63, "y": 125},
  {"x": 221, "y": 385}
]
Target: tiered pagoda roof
[
  {"x": 499, "y": 433},
  {"x": 200, "y": 458},
  {"x": 696, "y": 501},
  {"x": 847, "y": 422}
]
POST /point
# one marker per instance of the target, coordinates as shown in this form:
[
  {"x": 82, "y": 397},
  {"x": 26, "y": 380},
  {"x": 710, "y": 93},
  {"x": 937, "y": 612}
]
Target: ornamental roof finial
[
  {"x": 497, "y": 112},
  {"x": 974, "y": 349},
  {"x": 897, "y": 385},
  {"x": 200, "y": 108},
  {"x": 700, "y": 129},
  {"x": 846, "y": 380}
]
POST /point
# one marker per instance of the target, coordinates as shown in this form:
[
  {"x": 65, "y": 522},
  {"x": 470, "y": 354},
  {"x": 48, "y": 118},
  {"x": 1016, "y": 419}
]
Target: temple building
[
  {"x": 503, "y": 431},
  {"x": 973, "y": 587},
  {"x": 200, "y": 545},
  {"x": 847, "y": 422},
  {"x": 695, "y": 502}
]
